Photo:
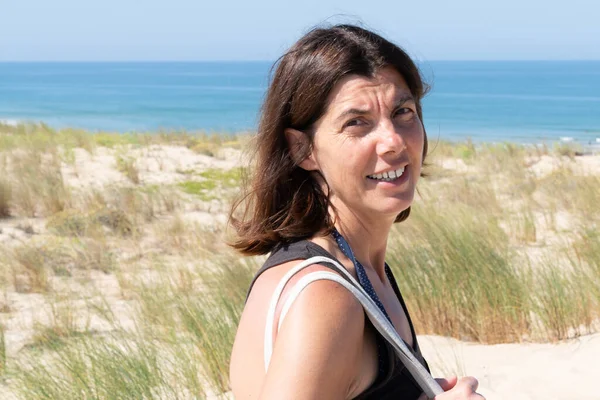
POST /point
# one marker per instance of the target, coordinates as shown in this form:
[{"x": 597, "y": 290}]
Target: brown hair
[{"x": 283, "y": 202}]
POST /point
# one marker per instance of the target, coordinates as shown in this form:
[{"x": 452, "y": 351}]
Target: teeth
[{"x": 388, "y": 176}]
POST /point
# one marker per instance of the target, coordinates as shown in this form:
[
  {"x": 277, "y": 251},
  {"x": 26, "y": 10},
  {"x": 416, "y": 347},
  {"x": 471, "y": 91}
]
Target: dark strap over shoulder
[{"x": 301, "y": 250}]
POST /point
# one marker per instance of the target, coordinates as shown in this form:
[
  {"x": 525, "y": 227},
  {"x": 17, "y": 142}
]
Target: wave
[
  {"x": 518, "y": 96},
  {"x": 10, "y": 122}
]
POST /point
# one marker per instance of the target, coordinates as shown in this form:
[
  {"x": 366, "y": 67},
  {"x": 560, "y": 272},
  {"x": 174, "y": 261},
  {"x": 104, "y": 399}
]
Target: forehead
[{"x": 355, "y": 90}]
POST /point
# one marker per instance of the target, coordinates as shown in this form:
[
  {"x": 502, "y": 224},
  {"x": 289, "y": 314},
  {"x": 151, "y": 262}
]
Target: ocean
[{"x": 492, "y": 101}]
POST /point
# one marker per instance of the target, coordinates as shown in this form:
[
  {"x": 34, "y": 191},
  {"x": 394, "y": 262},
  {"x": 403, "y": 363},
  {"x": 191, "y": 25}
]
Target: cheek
[
  {"x": 420, "y": 147},
  {"x": 417, "y": 143},
  {"x": 340, "y": 170}
]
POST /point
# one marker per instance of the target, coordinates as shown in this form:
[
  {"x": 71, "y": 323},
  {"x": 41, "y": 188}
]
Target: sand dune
[{"x": 520, "y": 371}]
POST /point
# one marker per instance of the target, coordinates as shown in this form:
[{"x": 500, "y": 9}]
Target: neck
[{"x": 366, "y": 236}]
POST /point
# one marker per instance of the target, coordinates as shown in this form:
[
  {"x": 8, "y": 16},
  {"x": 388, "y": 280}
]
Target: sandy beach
[{"x": 565, "y": 370}]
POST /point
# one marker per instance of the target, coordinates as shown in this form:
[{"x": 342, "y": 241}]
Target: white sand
[
  {"x": 565, "y": 371},
  {"x": 158, "y": 164}
]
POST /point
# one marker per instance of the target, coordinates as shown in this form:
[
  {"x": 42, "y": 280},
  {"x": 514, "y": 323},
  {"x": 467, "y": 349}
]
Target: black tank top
[{"x": 393, "y": 379}]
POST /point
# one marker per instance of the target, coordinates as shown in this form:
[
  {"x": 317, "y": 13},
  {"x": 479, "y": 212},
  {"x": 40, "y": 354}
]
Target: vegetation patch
[
  {"x": 32, "y": 264},
  {"x": 95, "y": 368},
  {"x": 117, "y": 220},
  {"x": 459, "y": 259},
  {"x": 441, "y": 148},
  {"x": 215, "y": 183},
  {"x": 77, "y": 223},
  {"x": 37, "y": 186},
  {"x": 126, "y": 165},
  {"x": 202, "y": 189},
  {"x": 567, "y": 149},
  {"x": 5, "y": 198},
  {"x": 53, "y": 337},
  {"x": 112, "y": 140},
  {"x": 71, "y": 223},
  {"x": 226, "y": 178}
]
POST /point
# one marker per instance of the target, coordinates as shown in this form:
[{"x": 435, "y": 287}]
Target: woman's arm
[{"x": 319, "y": 348}]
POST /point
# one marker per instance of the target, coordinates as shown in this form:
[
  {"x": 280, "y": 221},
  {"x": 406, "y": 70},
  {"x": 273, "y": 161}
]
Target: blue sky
[{"x": 128, "y": 30}]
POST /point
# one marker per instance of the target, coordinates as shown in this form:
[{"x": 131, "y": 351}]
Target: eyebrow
[{"x": 356, "y": 111}]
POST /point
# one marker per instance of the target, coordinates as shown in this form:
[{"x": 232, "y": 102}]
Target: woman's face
[{"x": 369, "y": 145}]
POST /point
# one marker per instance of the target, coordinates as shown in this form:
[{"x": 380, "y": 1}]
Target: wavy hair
[{"x": 282, "y": 202}]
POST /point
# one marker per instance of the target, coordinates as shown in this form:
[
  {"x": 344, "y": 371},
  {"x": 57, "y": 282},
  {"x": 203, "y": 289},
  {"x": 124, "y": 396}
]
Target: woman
[{"x": 340, "y": 147}]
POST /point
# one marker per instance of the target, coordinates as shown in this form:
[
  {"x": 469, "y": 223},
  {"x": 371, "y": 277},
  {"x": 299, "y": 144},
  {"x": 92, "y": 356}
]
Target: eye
[
  {"x": 405, "y": 114},
  {"x": 404, "y": 111},
  {"x": 354, "y": 122}
]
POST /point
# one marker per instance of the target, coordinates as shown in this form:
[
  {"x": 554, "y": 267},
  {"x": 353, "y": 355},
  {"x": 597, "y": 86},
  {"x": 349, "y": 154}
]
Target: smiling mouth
[{"x": 388, "y": 175}]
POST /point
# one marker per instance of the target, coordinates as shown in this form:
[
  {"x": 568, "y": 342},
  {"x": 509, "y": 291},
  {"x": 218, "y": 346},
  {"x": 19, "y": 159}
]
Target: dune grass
[
  {"x": 5, "y": 198},
  {"x": 2, "y": 350},
  {"x": 97, "y": 369},
  {"x": 127, "y": 166},
  {"x": 38, "y": 187},
  {"x": 33, "y": 264},
  {"x": 467, "y": 251},
  {"x": 485, "y": 256},
  {"x": 42, "y": 136},
  {"x": 181, "y": 344},
  {"x": 449, "y": 271}
]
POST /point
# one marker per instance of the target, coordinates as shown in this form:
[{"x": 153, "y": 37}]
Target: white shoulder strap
[{"x": 381, "y": 323}]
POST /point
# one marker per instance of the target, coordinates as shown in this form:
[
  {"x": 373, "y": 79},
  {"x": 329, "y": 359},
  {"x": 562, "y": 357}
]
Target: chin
[{"x": 392, "y": 210}]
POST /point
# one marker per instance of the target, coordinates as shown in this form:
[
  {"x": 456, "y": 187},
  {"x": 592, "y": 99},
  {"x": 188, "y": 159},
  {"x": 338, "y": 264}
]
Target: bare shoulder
[
  {"x": 318, "y": 346},
  {"x": 324, "y": 289},
  {"x": 323, "y": 303}
]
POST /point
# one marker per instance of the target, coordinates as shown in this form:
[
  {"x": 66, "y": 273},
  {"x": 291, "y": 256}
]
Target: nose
[{"x": 389, "y": 139}]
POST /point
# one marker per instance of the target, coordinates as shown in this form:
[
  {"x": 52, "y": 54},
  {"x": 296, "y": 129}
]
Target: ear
[{"x": 300, "y": 149}]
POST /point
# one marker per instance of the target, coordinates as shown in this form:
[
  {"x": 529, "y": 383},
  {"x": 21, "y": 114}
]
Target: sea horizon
[
  {"x": 526, "y": 101},
  {"x": 233, "y": 61}
]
